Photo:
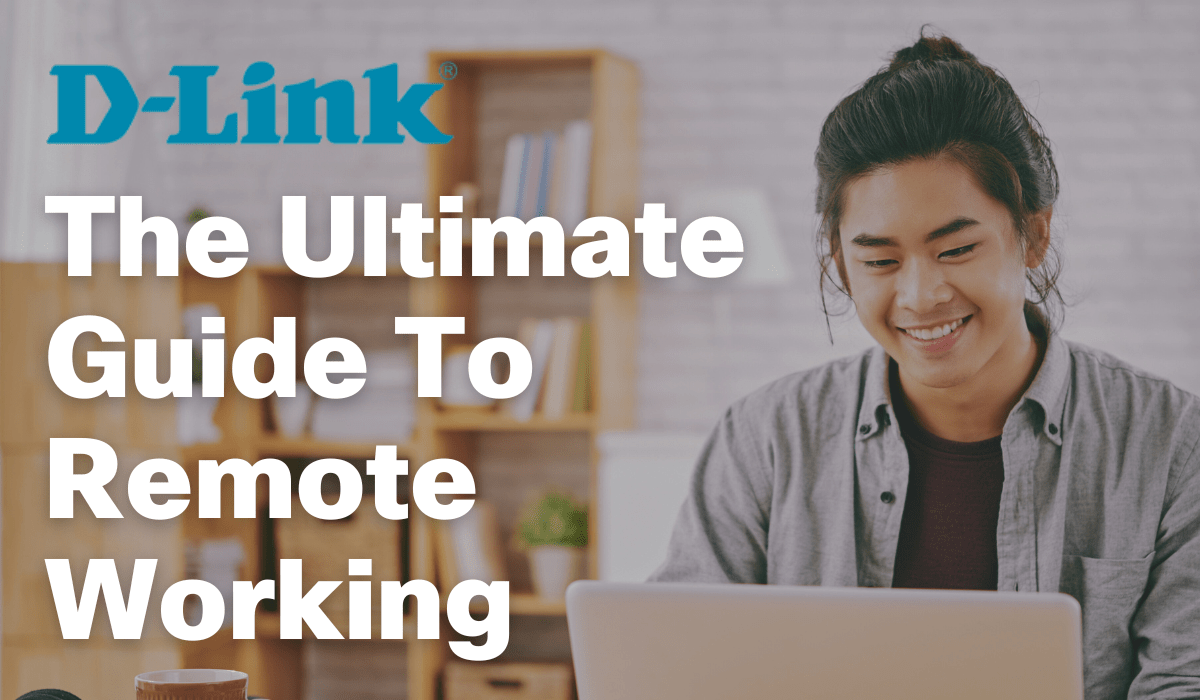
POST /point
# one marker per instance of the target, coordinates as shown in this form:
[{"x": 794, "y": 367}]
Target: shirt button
[
  {"x": 887, "y": 497},
  {"x": 864, "y": 428},
  {"x": 1053, "y": 429}
]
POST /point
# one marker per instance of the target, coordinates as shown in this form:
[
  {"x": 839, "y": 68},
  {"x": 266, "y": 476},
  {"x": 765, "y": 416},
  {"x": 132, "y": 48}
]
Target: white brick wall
[{"x": 734, "y": 94}]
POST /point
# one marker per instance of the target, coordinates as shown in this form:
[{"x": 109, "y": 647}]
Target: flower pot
[{"x": 554, "y": 568}]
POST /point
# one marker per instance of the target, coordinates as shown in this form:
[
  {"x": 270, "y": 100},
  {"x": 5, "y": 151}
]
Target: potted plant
[{"x": 554, "y": 529}]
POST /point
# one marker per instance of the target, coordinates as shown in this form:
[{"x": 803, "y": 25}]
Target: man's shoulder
[
  {"x": 1121, "y": 392},
  {"x": 1111, "y": 377}
]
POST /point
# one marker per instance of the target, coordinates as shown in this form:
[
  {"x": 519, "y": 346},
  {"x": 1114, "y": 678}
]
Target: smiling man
[{"x": 973, "y": 447}]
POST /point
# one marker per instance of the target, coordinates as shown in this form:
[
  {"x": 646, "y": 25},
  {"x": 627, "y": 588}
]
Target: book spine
[
  {"x": 531, "y": 178},
  {"x": 577, "y": 166},
  {"x": 560, "y": 379},
  {"x": 523, "y": 405},
  {"x": 544, "y": 176},
  {"x": 581, "y": 401},
  {"x": 515, "y": 155}
]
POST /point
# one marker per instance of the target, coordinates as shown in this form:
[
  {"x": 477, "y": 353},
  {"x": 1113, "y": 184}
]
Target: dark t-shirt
[{"x": 948, "y": 531}]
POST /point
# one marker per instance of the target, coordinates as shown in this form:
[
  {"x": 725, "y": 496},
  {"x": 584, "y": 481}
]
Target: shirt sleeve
[
  {"x": 1166, "y": 627},
  {"x": 720, "y": 535}
]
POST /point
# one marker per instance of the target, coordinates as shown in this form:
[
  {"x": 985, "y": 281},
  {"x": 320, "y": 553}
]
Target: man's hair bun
[{"x": 930, "y": 48}]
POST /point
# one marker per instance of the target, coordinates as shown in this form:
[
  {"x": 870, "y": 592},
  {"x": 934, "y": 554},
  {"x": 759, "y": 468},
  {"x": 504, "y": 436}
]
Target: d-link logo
[{"x": 387, "y": 112}]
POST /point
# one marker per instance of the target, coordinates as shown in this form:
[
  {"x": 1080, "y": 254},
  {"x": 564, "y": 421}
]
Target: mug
[{"x": 191, "y": 684}]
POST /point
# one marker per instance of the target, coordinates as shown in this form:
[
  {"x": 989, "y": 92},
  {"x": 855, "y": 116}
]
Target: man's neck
[{"x": 976, "y": 410}]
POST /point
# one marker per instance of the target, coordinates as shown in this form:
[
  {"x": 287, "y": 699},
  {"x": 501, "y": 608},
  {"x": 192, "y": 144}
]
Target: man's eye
[
  {"x": 955, "y": 252},
  {"x": 877, "y": 264}
]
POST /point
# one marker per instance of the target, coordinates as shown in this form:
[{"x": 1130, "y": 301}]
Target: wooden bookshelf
[
  {"x": 495, "y": 94},
  {"x": 494, "y": 421}
]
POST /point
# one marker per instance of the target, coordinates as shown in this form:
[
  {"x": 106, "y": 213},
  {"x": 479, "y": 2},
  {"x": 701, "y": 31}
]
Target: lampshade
[{"x": 765, "y": 262}]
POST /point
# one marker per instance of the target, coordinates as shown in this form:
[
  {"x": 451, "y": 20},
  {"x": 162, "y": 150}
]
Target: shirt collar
[
  {"x": 874, "y": 412},
  {"x": 1048, "y": 391},
  {"x": 1049, "y": 388}
]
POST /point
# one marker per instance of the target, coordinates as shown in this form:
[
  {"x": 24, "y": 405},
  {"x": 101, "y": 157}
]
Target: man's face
[{"x": 935, "y": 271}]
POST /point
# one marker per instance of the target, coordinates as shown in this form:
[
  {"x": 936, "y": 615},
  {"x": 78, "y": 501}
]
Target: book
[
  {"x": 581, "y": 400},
  {"x": 544, "y": 176},
  {"x": 516, "y": 153},
  {"x": 531, "y": 177},
  {"x": 576, "y": 166},
  {"x": 537, "y": 335},
  {"x": 555, "y": 194},
  {"x": 469, "y": 547},
  {"x": 560, "y": 368}
]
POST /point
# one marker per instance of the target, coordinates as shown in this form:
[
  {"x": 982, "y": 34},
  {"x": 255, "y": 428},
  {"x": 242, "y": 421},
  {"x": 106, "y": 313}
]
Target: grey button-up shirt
[{"x": 1101, "y": 500}]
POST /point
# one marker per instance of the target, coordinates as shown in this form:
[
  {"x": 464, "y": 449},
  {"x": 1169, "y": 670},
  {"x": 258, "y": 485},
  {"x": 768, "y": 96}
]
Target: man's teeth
[{"x": 934, "y": 333}]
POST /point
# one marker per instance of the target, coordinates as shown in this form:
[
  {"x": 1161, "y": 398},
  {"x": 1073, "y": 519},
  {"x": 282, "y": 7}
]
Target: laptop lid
[{"x": 707, "y": 642}]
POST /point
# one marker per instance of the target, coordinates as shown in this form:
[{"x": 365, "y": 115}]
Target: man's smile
[{"x": 933, "y": 332}]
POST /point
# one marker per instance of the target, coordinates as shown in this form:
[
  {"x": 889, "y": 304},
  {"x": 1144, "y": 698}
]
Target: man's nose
[{"x": 922, "y": 286}]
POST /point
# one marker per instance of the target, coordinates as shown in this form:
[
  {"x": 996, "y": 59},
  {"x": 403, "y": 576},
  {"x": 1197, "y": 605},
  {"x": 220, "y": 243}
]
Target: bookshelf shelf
[
  {"x": 529, "y": 604},
  {"x": 535, "y": 242},
  {"x": 210, "y": 450},
  {"x": 491, "y": 421},
  {"x": 267, "y": 627},
  {"x": 311, "y": 447},
  {"x": 525, "y": 604}
]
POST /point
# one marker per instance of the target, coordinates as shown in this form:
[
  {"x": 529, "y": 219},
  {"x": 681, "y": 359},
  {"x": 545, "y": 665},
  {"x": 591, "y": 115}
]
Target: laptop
[{"x": 661, "y": 641}]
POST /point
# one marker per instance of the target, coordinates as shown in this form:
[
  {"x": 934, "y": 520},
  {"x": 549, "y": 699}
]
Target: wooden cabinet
[{"x": 491, "y": 96}]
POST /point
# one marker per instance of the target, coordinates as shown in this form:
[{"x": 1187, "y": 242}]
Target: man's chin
[{"x": 935, "y": 375}]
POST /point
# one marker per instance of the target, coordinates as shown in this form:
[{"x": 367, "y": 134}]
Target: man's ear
[
  {"x": 1039, "y": 238},
  {"x": 835, "y": 247}
]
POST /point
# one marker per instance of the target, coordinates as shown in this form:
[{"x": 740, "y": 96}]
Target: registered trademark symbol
[{"x": 448, "y": 70}]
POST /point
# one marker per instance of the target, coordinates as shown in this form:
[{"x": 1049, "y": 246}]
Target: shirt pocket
[{"x": 1108, "y": 591}]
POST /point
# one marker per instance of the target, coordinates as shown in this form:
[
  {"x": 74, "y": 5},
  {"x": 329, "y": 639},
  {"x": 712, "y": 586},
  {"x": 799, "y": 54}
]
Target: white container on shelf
[
  {"x": 554, "y": 567},
  {"x": 194, "y": 418},
  {"x": 292, "y": 412}
]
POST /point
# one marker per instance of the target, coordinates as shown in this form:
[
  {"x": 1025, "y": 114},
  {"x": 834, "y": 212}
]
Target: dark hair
[{"x": 935, "y": 99}]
